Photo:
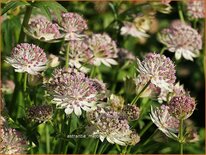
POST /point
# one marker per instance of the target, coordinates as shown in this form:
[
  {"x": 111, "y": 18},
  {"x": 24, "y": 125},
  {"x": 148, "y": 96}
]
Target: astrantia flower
[
  {"x": 116, "y": 102},
  {"x": 168, "y": 124},
  {"x": 41, "y": 113},
  {"x": 196, "y": 9},
  {"x": 124, "y": 55},
  {"x": 28, "y": 58},
  {"x": 42, "y": 29},
  {"x": 104, "y": 50},
  {"x": 131, "y": 112},
  {"x": 182, "y": 39},
  {"x": 112, "y": 126},
  {"x": 163, "y": 6},
  {"x": 73, "y": 24},
  {"x": 12, "y": 142},
  {"x": 73, "y": 91},
  {"x": 79, "y": 54},
  {"x": 130, "y": 29},
  {"x": 156, "y": 69},
  {"x": 182, "y": 106},
  {"x": 167, "y": 96}
]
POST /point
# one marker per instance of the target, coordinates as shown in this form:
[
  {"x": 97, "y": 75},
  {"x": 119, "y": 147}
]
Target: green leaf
[
  {"x": 50, "y": 7},
  {"x": 13, "y": 5}
]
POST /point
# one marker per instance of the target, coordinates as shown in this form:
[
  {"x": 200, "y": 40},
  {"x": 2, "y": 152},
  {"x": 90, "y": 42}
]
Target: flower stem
[
  {"x": 138, "y": 95},
  {"x": 162, "y": 50},
  {"x": 47, "y": 139},
  {"x": 93, "y": 72},
  {"x": 146, "y": 128},
  {"x": 67, "y": 57},
  {"x": 181, "y": 136},
  {"x": 25, "y": 81},
  {"x": 180, "y": 13},
  {"x": 103, "y": 148},
  {"x": 96, "y": 146},
  {"x": 25, "y": 23}
]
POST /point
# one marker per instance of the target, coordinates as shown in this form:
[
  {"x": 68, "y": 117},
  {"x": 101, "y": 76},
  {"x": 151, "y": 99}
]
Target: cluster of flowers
[
  {"x": 72, "y": 90},
  {"x": 83, "y": 49},
  {"x": 11, "y": 140},
  {"x": 159, "y": 72},
  {"x": 179, "y": 38}
]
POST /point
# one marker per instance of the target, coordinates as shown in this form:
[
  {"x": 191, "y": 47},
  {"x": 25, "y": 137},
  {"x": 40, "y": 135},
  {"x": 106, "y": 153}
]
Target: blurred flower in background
[
  {"x": 129, "y": 28},
  {"x": 8, "y": 87},
  {"x": 196, "y": 9},
  {"x": 182, "y": 39},
  {"x": 12, "y": 142},
  {"x": 104, "y": 50},
  {"x": 79, "y": 54},
  {"x": 125, "y": 55},
  {"x": 73, "y": 25},
  {"x": 28, "y": 58}
]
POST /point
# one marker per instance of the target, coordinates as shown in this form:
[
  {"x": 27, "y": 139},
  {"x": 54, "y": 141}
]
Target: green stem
[
  {"x": 180, "y": 13},
  {"x": 150, "y": 137},
  {"x": 195, "y": 23},
  {"x": 47, "y": 139},
  {"x": 146, "y": 128},
  {"x": 103, "y": 147},
  {"x": 93, "y": 72},
  {"x": 138, "y": 95},
  {"x": 162, "y": 50},
  {"x": 124, "y": 150},
  {"x": 25, "y": 82},
  {"x": 118, "y": 148},
  {"x": 67, "y": 57},
  {"x": 181, "y": 136},
  {"x": 96, "y": 146},
  {"x": 25, "y": 23}
]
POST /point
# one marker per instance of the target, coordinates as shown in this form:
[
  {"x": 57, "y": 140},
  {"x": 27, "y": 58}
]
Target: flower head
[
  {"x": 165, "y": 121},
  {"x": 79, "y": 54},
  {"x": 12, "y": 142},
  {"x": 182, "y": 106},
  {"x": 112, "y": 126},
  {"x": 73, "y": 24},
  {"x": 131, "y": 112},
  {"x": 158, "y": 70},
  {"x": 73, "y": 91},
  {"x": 116, "y": 102},
  {"x": 182, "y": 39},
  {"x": 40, "y": 113},
  {"x": 130, "y": 29},
  {"x": 103, "y": 49},
  {"x": 177, "y": 89},
  {"x": 196, "y": 9},
  {"x": 28, "y": 58},
  {"x": 42, "y": 29}
]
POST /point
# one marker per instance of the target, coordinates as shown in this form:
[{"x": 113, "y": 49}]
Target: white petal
[
  {"x": 112, "y": 61},
  {"x": 178, "y": 54},
  {"x": 105, "y": 63},
  {"x": 77, "y": 110},
  {"x": 68, "y": 110}
]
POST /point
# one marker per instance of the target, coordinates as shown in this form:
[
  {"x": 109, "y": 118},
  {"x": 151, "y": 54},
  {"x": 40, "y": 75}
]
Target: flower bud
[
  {"x": 182, "y": 107},
  {"x": 40, "y": 113}
]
